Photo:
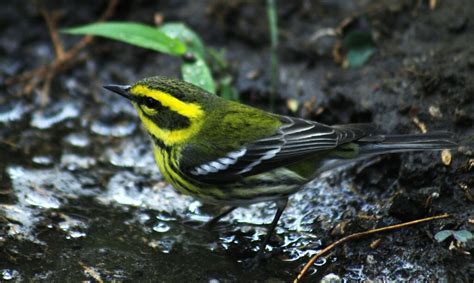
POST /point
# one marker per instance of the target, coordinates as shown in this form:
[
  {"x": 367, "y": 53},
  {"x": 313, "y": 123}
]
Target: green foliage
[
  {"x": 197, "y": 73},
  {"x": 135, "y": 34},
  {"x": 443, "y": 235},
  {"x": 359, "y": 46},
  {"x": 217, "y": 59},
  {"x": 194, "y": 70},
  {"x": 187, "y": 36},
  {"x": 173, "y": 38},
  {"x": 461, "y": 235},
  {"x": 273, "y": 27},
  {"x": 220, "y": 65},
  {"x": 226, "y": 90}
]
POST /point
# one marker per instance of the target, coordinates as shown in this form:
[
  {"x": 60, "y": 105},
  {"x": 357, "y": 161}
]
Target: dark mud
[{"x": 81, "y": 199}]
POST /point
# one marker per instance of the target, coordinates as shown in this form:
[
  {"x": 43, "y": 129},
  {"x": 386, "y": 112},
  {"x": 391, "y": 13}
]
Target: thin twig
[
  {"x": 9, "y": 143},
  {"x": 44, "y": 92},
  {"x": 51, "y": 20},
  {"x": 361, "y": 235},
  {"x": 64, "y": 59},
  {"x": 273, "y": 26},
  {"x": 91, "y": 271}
]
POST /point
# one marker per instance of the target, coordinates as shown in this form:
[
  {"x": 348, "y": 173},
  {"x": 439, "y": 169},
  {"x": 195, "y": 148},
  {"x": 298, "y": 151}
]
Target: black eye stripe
[{"x": 151, "y": 103}]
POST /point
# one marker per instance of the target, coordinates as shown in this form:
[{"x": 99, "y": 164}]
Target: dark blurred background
[{"x": 81, "y": 198}]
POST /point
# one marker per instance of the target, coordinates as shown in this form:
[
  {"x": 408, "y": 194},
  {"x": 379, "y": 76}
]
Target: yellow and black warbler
[{"x": 227, "y": 153}]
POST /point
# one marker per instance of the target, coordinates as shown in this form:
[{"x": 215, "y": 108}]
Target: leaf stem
[
  {"x": 273, "y": 26},
  {"x": 361, "y": 235}
]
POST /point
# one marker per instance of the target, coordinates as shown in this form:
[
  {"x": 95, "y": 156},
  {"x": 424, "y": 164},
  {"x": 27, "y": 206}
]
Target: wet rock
[
  {"x": 83, "y": 187},
  {"x": 414, "y": 205},
  {"x": 13, "y": 112},
  {"x": 331, "y": 278},
  {"x": 54, "y": 114},
  {"x": 419, "y": 170}
]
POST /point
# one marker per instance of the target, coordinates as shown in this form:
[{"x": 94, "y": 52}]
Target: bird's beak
[{"x": 123, "y": 90}]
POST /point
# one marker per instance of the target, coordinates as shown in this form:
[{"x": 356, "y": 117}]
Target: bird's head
[{"x": 171, "y": 110}]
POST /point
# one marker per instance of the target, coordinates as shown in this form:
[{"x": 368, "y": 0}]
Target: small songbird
[{"x": 231, "y": 154}]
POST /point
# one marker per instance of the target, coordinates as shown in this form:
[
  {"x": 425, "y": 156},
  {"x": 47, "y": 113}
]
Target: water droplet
[
  {"x": 143, "y": 217},
  {"x": 73, "y": 162},
  {"x": 43, "y": 160},
  {"x": 165, "y": 217},
  {"x": 9, "y": 274},
  {"x": 132, "y": 153},
  {"x": 76, "y": 234},
  {"x": 161, "y": 227},
  {"x": 165, "y": 245},
  {"x": 78, "y": 140},
  {"x": 115, "y": 130},
  {"x": 54, "y": 114},
  {"x": 10, "y": 113}
]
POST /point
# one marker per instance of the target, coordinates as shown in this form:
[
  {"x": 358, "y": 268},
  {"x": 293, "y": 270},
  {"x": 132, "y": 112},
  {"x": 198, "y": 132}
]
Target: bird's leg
[
  {"x": 211, "y": 223},
  {"x": 281, "y": 205}
]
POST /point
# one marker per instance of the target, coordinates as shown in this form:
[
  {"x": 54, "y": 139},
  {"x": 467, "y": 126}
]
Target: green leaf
[
  {"x": 186, "y": 35},
  {"x": 194, "y": 71},
  {"x": 226, "y": 90},
  {"x": 217, "y": 58},
  {"x": 462, "y": 235},
  {"x": 358, "y": 57},
  {"x": 360, "y": 48},
  {"x": 198, "y": 73},
  {"x": 171, "y": 38},
  {"x": 443, "y": 235},
  {"x": 133, "y": 33}
]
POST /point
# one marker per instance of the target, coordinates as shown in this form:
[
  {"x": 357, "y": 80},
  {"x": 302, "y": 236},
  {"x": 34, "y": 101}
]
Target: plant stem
[
  {"x": 273, "y": 26},
  {"x": 361, "y": 235}
]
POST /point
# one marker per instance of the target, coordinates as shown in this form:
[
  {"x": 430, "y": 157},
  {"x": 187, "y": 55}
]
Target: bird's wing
[{"x": 295, "y": 140}]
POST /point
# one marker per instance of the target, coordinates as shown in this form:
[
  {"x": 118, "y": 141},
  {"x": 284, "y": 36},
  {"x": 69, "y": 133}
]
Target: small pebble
[
  {"x": 446, "y": 157},
  {"x": 331, "y": 278}
]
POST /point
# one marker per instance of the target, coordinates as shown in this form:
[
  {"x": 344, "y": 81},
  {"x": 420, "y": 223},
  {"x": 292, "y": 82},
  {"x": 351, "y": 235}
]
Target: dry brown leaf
[
  {"x": 375, "y": 244},
  {"x": 253, "y": 74},
  {"x": 470, "y": 163},
  {"x": 435, "y": 111},
  {"x": 446, "y": 157},
  {"x": 92, "y": 272},
  {"x": 158, "y": 18},
  {"x": 292, "y": 104},
  {"x": 420, "y": 125},
  {"x": 467, "y": 192}
]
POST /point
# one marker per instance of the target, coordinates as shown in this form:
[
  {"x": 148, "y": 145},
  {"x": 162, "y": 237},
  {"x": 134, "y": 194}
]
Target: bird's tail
[
  {"x": 381, "y": 144},
  {"x": 372, "y": 145}
]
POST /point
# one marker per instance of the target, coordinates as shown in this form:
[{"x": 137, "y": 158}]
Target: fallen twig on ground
[
  {"x": 362, "y": 235},
  {"x": 64, "y": 59}
]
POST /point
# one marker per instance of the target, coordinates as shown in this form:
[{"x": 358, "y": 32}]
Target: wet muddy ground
[{"x": 80, "y": 197}]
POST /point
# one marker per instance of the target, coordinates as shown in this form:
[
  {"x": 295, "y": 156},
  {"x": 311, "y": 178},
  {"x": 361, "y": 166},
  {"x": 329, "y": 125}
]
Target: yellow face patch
[
  {"x": 149, "y": 111},
  {"x": 169, "y": 137}
]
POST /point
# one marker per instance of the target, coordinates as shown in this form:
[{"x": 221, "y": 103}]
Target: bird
[{"x": 230, "y": 154}]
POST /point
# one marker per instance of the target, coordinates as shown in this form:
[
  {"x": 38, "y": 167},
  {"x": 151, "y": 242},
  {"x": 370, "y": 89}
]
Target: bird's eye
[{"x": 151, "y": 103}]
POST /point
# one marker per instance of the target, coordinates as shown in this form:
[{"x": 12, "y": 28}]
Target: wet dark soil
[{"x": 81, "y": 199}]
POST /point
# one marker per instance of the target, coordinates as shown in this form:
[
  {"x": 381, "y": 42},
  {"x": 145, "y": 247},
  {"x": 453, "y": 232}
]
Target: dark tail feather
[{"x": 380, "y": 144}]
